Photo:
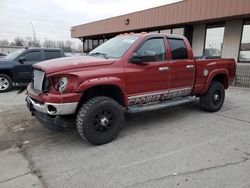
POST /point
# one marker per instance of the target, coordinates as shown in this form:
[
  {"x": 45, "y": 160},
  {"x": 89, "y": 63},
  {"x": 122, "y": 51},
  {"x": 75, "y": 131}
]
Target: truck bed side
[{"x": 207, "y": 70}]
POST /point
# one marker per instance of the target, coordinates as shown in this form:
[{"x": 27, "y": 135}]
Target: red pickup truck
[{"x": 129, "y": 73}]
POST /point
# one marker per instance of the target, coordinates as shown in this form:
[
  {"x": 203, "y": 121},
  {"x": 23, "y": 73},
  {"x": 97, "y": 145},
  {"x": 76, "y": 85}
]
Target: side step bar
[{"x": 160, "y": 105}]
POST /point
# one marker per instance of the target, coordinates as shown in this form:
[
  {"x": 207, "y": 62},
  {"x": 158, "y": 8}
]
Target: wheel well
[
  {"x": 8, "y": 73},
  {"x": 111, "y": 91},
  {"x": 222, "y": 78}
]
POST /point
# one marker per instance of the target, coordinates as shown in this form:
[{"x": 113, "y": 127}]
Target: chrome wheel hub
[
  {"x": 4, "y": 83},
  {"x": 216, "y": 97},
  {"x": 104, "y": 121}
]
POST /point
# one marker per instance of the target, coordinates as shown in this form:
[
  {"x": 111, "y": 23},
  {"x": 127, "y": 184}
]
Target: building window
[
  {"x": 153, "y": 32},
  {"x": 178, "y": 31},
  {"x": 167, "y": 31},
  {"x": 90, "y": 45},
  {"x": 214, "y": 42},
  {"x": 86, "y": 46},
  {"x": 100, "y": 41},
  {"x": 95, "y": 43},
  {"x": 244, "y": 55},
  {"x": 178, "y": 48}
]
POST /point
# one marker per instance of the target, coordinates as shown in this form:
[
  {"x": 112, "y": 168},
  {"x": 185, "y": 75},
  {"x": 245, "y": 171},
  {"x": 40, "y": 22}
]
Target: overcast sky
[{"x": 52, "y": 19}]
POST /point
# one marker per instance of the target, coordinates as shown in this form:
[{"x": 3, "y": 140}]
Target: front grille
[
  {"x": 40, "y": 81},
  {"x": 46, "y": 84}
]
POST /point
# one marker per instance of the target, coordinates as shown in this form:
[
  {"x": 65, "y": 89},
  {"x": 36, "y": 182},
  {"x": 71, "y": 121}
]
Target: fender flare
[
  {"x": 10, "y": 73},
  {"x": 102, "y": 81},
  {"x": 211, "y": 76}
]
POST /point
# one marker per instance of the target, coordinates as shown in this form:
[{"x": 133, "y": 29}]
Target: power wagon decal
[{"x": 160, "y": 96}]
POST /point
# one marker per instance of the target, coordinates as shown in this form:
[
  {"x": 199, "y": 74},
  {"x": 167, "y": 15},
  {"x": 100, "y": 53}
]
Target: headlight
[{"x": 62, "y": 84}]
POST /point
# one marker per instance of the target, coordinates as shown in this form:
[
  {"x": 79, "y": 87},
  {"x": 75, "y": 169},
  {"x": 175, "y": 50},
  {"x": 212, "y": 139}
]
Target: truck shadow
[
  {"x": 148, "y": 119},
  {"x": 27, "y": 128}
]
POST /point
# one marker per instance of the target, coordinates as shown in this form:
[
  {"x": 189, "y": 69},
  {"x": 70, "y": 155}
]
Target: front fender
[
  {"x": 8, "y": 68},
  {"x": 115, "y": 81}
]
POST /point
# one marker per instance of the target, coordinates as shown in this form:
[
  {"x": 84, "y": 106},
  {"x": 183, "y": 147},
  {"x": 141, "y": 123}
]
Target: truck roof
[
  {"x": 39, "y": 48},
  {"x": 153, "y": 34}
]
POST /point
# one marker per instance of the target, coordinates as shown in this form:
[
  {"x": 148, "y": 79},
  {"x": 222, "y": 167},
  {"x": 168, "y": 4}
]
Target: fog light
[{"x": 52, "y": 110}]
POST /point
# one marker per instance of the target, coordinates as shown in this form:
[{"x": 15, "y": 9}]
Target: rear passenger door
[{"x": 181, "y": 67}]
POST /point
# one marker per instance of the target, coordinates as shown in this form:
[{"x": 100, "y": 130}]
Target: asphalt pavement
[{"x": 178, "y": 147}]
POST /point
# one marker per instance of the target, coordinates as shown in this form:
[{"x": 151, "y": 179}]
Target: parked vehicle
[
  {"x": 129, "y": 73},
  {"x": 2, "y": 55},
  {"x": 16, "y": 68}
]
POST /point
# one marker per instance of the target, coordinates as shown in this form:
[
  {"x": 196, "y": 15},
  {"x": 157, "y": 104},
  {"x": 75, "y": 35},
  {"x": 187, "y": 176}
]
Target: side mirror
[
  {"x": 135, "y": 58},
  {"x": 139, "y": 59},
  {"x": 22, "y": 59}
]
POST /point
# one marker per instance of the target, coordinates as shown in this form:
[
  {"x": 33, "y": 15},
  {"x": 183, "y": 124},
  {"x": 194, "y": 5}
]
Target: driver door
[
  {"x": 148, "y": 78},
  {"x": 23, "y": 69}
]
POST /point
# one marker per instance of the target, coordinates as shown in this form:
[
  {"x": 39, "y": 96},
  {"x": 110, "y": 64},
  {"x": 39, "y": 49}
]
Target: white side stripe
[{"x": 158, "y": 96}]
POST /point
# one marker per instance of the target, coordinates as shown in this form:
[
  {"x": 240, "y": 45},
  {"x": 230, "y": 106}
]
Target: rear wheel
[
  {"x": 100, "y": 120},
  {"x": 213, "y": 100},
  {"x": 5, "y": 83}
]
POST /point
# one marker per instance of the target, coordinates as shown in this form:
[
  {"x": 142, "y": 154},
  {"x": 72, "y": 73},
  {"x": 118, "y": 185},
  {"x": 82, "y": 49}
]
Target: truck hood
[
  {"x": 5, "y": 64},
  {"x": 3, "y": 60},
  {"x": 67, "y": 63}
]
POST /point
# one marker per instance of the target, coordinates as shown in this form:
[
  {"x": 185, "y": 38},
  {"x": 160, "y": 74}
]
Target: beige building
[{"x": 215, "y": 28}]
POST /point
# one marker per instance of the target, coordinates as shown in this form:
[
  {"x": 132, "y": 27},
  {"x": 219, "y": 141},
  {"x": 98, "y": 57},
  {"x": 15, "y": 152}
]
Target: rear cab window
[
  {"x": 52, "y": 54},
  {"x": 178, "y": 48}
]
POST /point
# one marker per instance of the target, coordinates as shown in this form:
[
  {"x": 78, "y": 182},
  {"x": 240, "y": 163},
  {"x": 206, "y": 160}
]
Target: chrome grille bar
[{"x": 38, "y": 80}]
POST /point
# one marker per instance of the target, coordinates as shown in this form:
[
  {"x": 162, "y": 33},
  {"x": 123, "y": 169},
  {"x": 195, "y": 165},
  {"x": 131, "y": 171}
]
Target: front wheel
[
  {"x": 213, "y": 100},
  {"x": 5, "y": 83},
  {"x": 100, "y": 120}
]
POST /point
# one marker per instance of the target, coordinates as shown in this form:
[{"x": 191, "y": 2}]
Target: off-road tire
[
  {"x": 10, "y": 83},
  {"x": 90, "y": 113},
  {"x": 208, "y": 102}
]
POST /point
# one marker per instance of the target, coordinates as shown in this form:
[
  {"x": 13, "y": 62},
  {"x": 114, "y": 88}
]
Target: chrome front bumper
[{"x": 52, "y": 108}]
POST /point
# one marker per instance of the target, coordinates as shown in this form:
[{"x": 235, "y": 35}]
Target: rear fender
[{"x": 212, "y": 75}]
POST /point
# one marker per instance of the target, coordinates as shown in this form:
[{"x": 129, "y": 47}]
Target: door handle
[
  {"x": 190, "y": 66},
  {"x": 163, "y": 69}
]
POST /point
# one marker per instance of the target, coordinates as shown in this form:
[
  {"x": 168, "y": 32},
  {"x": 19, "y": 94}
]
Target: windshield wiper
[{"x": 99, "y": 53}]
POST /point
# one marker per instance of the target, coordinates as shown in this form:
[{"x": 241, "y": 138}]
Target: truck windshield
[
  {"x": 115, "y": 47},
  {"x": 14, "y": 54}
]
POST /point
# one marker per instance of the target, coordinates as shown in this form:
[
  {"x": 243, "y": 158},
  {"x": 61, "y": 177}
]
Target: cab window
[
  {"x": 33, "y": 56},
  {"x": 52, "y": 54},
  {"x": 153, "y": 47},
  {"x": 178, "y": 48}
]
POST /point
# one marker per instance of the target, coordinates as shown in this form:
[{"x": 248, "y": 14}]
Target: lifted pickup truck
[
  {"x": 16, "y": 68},
  {"x": 129, "y": 73}
]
